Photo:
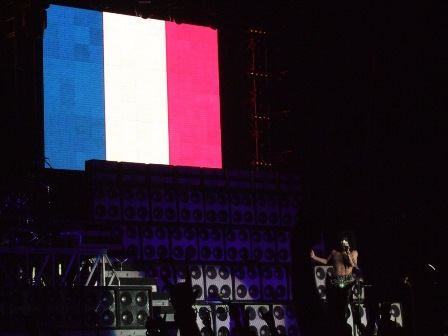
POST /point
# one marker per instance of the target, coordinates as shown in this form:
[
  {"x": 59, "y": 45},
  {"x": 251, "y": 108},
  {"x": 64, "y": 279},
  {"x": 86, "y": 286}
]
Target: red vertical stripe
[{"x": 193, "y": 96}]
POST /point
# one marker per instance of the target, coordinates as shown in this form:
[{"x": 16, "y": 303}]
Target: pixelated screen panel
[{"x": 127, "y": 89}]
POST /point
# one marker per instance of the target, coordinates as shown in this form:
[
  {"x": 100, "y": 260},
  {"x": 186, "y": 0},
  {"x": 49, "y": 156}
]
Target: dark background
[
  {"x": 358, "y": 97},
  {"x": 366, "y": 89}
]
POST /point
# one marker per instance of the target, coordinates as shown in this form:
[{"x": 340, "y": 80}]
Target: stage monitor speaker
[
  {"x": 99, "y": 308},
  {"x": 134, "y": 306}
]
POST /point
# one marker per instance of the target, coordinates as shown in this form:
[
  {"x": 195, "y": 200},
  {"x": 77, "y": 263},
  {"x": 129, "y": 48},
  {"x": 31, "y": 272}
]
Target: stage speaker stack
[
  {"x": 211, "y": 244},
  {"x": 197, "y": 278},
  {"x": 205, "y": 319},
  {"x": 263, "y": 245},
  {"x": 191, "y": 206},
  {"x": 238, "y": 244},
  {"x": 223, "y": 323},
  {"x": 242, "y": 208},
  {"x": 130, "y": 239},
  {"x": 184, "y": 243},
  {"x": 158, "y": 271},
  {"x": 107, "y": 203},
  {"x": 135, "y": 204},
  {"x": 247, "y": 283},
  {"x": 274, "y": 281},
  {"x": 232, "y": 229},
  {"x": 289, "y": 209},
  {"x": 164, "y": 207},
  {"x": 257, "y": 324},
  {"x": 216, "y": 207},
  {"x": 218, "y": 282},
  {"x": 283, "y": 244},
  {"x": 155, "y": 243},
  {"x": 267, "y": 207},
  {"x": 397, "y": 313},
  {"x": 285, "y": 320},
  {"x": 320, "y": 276},
  {"x": 105, "y": 178}
]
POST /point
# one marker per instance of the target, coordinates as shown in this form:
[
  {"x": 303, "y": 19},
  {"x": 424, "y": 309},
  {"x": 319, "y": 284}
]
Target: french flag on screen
[{"x": 122, "y": 88}]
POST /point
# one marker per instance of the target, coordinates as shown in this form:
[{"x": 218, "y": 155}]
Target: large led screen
[{"x": 123, "y": 88}]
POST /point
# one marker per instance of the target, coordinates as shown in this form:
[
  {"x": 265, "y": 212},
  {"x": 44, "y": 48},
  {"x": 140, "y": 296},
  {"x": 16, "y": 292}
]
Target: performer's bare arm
[{"x": 319, "y": 259}]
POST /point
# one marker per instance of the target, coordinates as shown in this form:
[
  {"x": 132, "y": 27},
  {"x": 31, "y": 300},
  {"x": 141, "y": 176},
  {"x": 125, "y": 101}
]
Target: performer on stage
[{"x": 345, "y": 271}]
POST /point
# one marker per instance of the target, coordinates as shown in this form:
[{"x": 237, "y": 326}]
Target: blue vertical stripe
[{"x": 74, "y": 87}]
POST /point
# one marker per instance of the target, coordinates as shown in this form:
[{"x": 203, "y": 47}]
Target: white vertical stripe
[{"x": 135, "y": 89}]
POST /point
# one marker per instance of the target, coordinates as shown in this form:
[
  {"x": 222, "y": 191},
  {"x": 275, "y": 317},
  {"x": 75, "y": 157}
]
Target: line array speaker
[{"x": 197, "y": 278}]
